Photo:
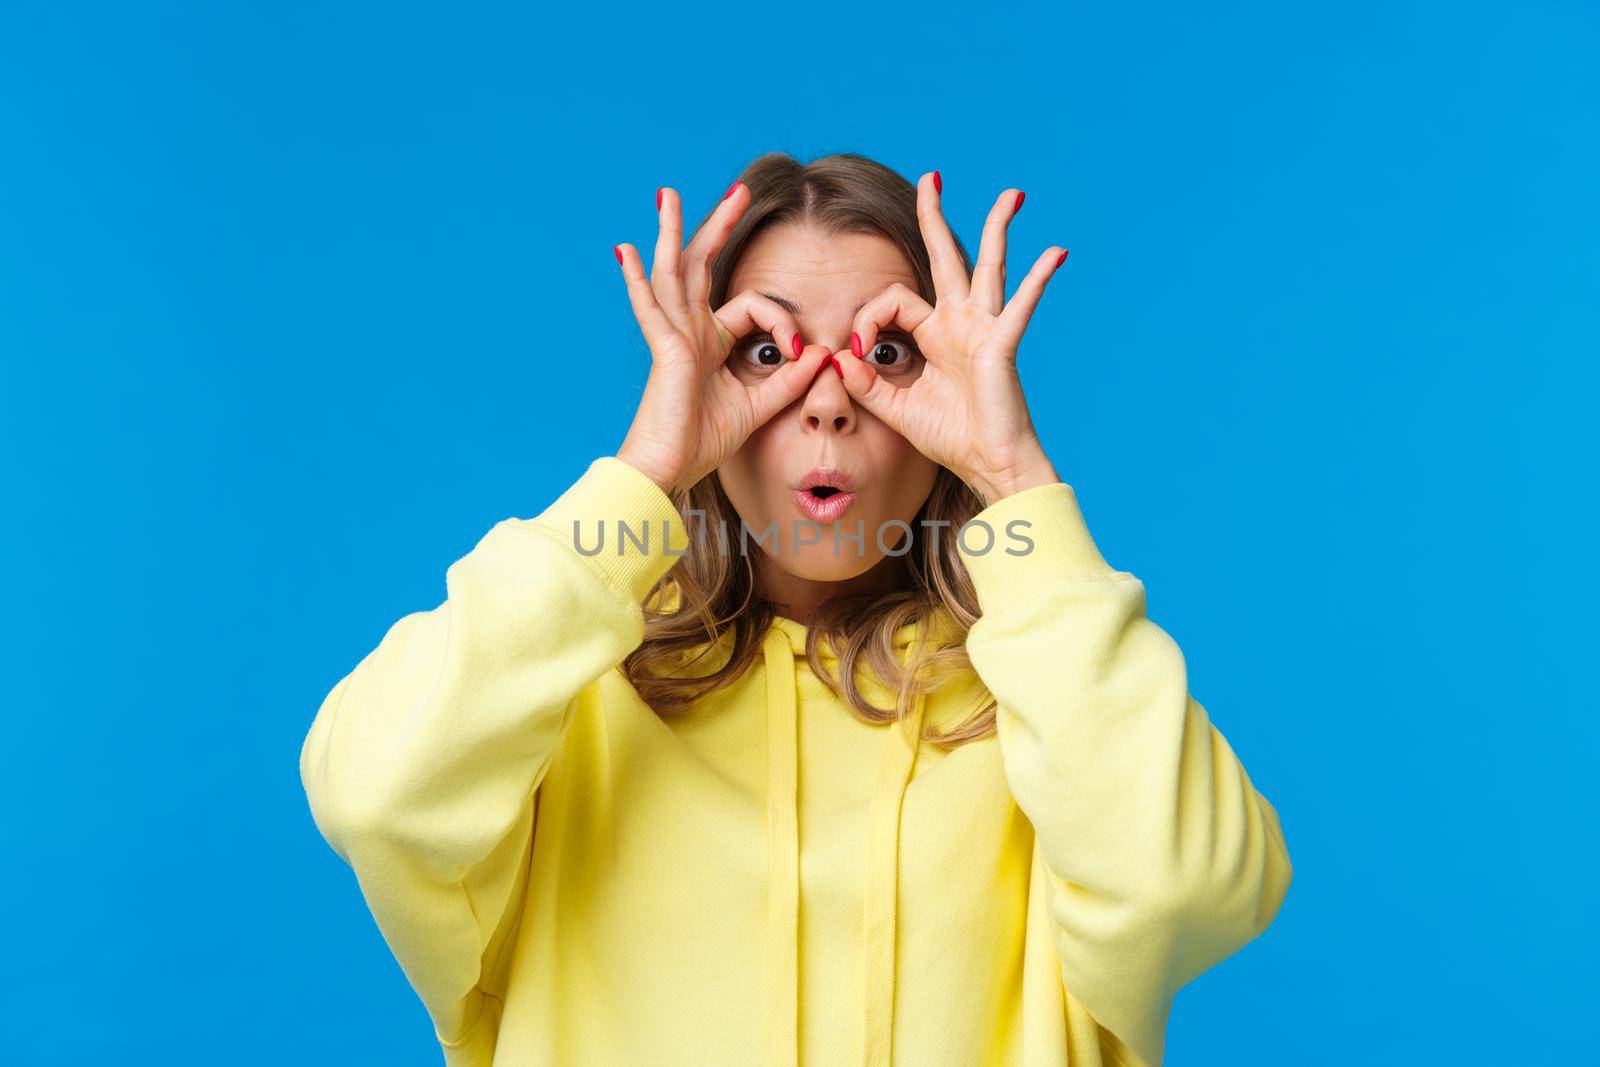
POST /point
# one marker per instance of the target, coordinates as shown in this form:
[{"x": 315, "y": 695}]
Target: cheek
[
  {"x": 908, "y": 473},
  {"x": 753, "y": 476}
]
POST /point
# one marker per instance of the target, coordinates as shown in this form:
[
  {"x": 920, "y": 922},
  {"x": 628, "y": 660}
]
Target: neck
[{"x": 800, "y": 599}]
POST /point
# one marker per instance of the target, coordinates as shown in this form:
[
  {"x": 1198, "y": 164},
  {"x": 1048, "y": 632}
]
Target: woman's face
[{"x": 824, "y": 278}]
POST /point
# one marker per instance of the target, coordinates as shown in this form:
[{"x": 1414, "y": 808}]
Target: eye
[
  {"x": 893, "y": 353},
  {"x": 761, "y": 351}
]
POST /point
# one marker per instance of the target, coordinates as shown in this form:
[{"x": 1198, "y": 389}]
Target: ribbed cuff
[
  {"x": 1038, "y": 535},
  {"x": 621, "y": 523}
]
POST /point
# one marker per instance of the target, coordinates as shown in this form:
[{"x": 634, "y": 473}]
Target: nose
[{"x": 827, "y": 405}]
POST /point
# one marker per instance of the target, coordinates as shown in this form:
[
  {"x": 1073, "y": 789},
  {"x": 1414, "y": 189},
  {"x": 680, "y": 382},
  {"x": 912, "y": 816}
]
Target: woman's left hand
[{"x": 965, "y": 410}]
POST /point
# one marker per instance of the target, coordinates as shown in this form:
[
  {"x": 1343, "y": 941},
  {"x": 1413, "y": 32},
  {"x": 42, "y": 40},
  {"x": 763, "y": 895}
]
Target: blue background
[{"x": 297, "y": 301}]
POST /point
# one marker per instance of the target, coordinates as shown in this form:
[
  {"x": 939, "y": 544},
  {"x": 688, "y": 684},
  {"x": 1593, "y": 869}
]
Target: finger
[
  {"x": 750, "y": 311},
  {"x": 665, "y": 278},
  {"x": 989, "y": 276},
  {"x": 696, "y": 264},
  {"x": 658, "y": 329},
  {"x": 786, "y": 384},
  {"x": 944, "y": 258},
  {"x": 867, "y": 388},
  {"x": 1014, "y": 319},
  {"x": 896, "y": 305}
]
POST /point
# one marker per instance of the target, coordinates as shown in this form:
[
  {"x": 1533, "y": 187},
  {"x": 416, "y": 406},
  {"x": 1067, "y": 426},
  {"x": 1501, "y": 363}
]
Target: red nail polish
[
  {"x": 855, "y": 345},
  {"x": 1062, "y": 260},
  {"x": 658, "y": 199},
  {"x": 835, "y": 361},
  {"x": 731, "y": 188},
  {"x": 1020, "y": 195},
  {"x": 796, "y": 346},
  {"x": 618, "y": 250},
  {"x": 938, "y": 186}
]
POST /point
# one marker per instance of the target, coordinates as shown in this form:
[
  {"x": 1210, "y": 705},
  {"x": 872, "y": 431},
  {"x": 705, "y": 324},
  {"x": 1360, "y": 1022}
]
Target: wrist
[
  {"x": 996, "y": 482},
  {"x": 664, "y": 479}
]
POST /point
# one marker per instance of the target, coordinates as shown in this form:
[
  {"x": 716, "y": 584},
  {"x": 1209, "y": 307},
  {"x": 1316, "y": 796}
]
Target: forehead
[{"x": 820, "y": 272}]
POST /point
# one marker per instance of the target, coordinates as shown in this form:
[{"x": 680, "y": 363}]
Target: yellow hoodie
[{"x": 568, "y": 878}]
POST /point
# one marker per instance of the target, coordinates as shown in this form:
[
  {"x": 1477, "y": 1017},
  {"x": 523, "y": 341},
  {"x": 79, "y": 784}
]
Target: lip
[
  {"x": 826, "y": 509},
  {"x": 827, "y": 476}
]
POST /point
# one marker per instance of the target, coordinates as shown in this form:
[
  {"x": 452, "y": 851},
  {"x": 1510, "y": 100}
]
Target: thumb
[
  {"x": 867, "y": 387},
  {"x": 787, "y": 383}
]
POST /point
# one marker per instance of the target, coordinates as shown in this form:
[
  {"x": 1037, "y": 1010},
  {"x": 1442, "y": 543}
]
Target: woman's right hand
[{"x": 696, "y": 411}]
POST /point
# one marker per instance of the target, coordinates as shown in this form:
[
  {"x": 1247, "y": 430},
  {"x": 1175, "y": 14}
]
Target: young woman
[{"x": 811, "y": 726}]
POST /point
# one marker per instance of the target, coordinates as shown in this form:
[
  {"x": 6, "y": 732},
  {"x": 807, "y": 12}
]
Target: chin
[{"x": 817, "y": 563}]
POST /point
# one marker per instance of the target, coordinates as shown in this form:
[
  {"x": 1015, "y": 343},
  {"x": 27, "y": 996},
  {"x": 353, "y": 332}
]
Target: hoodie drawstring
[
  {"x": 783, "y": 852},
  {"x": 783, "y": 864},
  {"x": 883, "y": 885}
]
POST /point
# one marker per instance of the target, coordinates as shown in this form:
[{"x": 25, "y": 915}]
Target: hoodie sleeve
[
  {"x": 1161, "y": 858},
  {"x": 423, "y": 764}
]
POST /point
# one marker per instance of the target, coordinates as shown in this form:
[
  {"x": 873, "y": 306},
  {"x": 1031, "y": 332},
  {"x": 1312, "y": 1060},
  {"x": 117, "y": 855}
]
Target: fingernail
[
  {"x": 618, "y": 250},
  {"x": 835, "y": 361},
  {"x": 731, "y": 188},
  {"x": 796, "y": 346},
  {"x": 938, "y": 185},
  {"x": 855, "y": 345},
  {"x": 1020, "y": 195},
  {"x": 1062, "y": 260},
  {"x": 658, "y": 198}
]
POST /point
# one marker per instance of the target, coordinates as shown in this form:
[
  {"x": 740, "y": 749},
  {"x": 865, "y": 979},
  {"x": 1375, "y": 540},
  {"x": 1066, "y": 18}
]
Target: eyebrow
[{"x": 794, "y": 309}]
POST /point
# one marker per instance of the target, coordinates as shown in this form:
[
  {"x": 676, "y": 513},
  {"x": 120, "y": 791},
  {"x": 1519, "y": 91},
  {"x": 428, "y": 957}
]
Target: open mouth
[
  {"x": 825, "y": 493},
  {"x": 824, "y": 503}
]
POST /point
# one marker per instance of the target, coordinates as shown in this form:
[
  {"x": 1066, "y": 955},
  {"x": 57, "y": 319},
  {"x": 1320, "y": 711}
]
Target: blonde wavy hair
[{"x": 713, "y": 599}]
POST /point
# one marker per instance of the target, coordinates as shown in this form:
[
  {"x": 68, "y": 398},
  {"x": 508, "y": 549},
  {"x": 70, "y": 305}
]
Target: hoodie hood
[
  {"x": 783, "y": 649},
  {"x": 783, "y": 652}
]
